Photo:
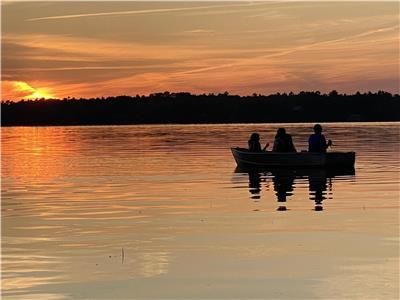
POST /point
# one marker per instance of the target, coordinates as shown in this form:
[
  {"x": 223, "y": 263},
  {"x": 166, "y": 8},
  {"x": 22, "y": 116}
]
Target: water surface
[{"x": 161, "y": 211}]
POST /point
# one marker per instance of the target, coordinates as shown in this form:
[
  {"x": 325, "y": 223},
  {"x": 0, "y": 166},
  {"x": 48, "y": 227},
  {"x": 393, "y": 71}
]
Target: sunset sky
[{"x": 91, "y": 49}]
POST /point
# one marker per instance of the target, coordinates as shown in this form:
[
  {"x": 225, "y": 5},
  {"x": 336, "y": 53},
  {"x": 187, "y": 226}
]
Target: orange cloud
[
  {"x": 16, "y": 90},
  {"x": 289, "y": 47}
]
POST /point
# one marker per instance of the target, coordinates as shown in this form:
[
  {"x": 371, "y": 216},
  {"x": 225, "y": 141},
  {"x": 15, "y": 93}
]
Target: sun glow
[
  {"x": 23, "y": 90},
  {"x": 41, "y": 93}
]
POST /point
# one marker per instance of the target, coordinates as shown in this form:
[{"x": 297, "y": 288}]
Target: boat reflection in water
[{"x": 283, "y": 179}]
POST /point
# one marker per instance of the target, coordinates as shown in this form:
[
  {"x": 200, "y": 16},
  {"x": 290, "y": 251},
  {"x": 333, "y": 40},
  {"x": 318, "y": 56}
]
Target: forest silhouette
[{"x": 186, "y": 108}]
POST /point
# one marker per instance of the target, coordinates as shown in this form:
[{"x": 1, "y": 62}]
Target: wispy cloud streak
[
  {"x": 247, "y": 61},
  {"x": 140, "y": 12}
]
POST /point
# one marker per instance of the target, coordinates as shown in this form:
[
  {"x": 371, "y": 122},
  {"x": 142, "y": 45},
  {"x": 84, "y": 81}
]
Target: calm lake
[{"x": 161, "y": 212}]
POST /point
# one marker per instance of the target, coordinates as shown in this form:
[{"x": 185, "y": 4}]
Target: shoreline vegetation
[{"x": 186, "y": 108}]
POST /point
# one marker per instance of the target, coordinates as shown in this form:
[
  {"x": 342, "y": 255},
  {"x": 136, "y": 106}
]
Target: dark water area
[{"x": 113, "y": 211}]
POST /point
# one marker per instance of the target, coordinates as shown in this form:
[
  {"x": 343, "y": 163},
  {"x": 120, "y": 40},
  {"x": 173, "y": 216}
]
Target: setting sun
[
  {"x": 23, "y": 90},
  {"x": 40, "y": 93}
]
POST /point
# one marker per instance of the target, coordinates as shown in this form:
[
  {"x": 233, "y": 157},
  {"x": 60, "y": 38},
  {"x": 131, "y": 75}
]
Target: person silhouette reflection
[
  {"x": 318, "y": 183},
  {"x": 254, "y": 185},
  {"x": 283, "y": 181}
]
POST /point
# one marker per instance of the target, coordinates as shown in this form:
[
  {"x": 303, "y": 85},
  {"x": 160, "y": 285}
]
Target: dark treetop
[{"x": 182, "y": 108}]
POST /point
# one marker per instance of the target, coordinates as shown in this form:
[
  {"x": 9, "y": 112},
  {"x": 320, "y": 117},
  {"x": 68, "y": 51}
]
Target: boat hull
[{"x": 246, "y": 158}]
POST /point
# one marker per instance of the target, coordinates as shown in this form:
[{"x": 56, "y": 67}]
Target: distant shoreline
[{"x": 185, "y": 108}]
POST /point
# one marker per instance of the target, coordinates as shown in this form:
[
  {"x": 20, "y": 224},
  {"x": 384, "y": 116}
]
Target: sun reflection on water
[{"x": 82, "y": 205}]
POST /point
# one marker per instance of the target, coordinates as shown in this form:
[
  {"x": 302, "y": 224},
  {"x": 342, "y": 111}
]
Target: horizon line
[{"x": 225, "y": 93}]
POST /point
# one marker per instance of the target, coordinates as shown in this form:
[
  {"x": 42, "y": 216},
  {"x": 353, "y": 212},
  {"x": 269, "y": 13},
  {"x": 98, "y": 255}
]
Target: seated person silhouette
[
  {"x": 283, "y": 142},
  {"x": 254, "y": 143},
  {"x": 317, "y": 141}
]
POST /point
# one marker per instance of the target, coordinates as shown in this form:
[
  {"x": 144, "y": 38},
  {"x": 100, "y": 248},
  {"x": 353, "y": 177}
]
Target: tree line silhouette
[{"x": 184, "y": 108}]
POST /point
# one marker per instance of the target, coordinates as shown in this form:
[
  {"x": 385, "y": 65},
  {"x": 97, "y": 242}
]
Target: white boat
[{"x": 246, "y": 158}]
